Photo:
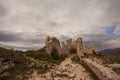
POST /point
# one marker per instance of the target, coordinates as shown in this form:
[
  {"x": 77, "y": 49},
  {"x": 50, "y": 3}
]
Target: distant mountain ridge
[
  {"x": 112, "y": 54},
  {"x": 111, "y": 51}
]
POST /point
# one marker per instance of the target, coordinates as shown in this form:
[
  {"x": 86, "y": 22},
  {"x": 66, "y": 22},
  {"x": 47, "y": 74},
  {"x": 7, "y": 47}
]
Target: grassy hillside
[
  {"x": 16, "y": 63},
  {"x": 21, "y": 64},
  {"x": 112, "y": 54}
]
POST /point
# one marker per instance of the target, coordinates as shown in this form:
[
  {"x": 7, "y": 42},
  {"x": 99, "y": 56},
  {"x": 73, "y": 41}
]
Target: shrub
[
  {"x": 12, "y": 55},
  {"x": 39, "y": 55},
  {"x": 55, "y": 54},
  {"x": 73, "y": 51},
  {"x": 63, "y": 56},
  {"x": 75, "y": 59},
  {"x": 53, "y": 57},
  {"x": 42, "y": 50}
]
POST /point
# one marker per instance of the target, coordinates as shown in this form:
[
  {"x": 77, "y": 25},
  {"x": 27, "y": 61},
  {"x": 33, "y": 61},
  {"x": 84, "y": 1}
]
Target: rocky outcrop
[
  {"x": 62, "y": 47},
  {"x": 67, "y": 70}
]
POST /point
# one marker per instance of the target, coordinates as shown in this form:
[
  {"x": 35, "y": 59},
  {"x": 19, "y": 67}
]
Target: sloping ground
[
  {"x": 112, "y": 54},
  {"x": 114, "y": 59},
  {"x": 104, "y": 73},
  {"x": 115, "y": 67},
  {"x": 6, "y": 65},
  {"x": 65, "y": 71}
]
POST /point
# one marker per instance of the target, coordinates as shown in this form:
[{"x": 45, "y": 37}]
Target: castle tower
[
  {"x": 79, "y": 47},
  {"x": 52, "y": 43}
]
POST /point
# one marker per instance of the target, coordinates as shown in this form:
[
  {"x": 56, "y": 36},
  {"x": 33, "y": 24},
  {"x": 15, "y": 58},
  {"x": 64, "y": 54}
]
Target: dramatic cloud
[{"x": 25, "y": 24}]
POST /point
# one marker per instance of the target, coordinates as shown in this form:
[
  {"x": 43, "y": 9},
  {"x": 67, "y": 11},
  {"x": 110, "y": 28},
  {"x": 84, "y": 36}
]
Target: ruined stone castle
[{"x": 68, "y": 46}]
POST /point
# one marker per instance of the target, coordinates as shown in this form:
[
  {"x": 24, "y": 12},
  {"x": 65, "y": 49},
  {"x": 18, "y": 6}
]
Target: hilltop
[{"x": 57, "y": 60}]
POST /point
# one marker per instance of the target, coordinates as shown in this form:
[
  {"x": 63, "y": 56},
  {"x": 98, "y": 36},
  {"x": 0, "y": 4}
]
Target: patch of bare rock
[
  {"x": 5, "y": 64},
  {"x": 65, "y": 71}
]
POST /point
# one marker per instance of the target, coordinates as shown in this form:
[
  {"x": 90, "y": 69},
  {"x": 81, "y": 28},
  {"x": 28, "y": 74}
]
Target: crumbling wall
[
  {"x": 104, "y": 73},
  {"x": 65, "y": 47},
  {"x": 90, "y": 49}
]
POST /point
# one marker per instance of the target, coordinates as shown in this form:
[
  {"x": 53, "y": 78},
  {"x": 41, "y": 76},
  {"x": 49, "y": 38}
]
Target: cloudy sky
[{"x": 24, "y": 24}]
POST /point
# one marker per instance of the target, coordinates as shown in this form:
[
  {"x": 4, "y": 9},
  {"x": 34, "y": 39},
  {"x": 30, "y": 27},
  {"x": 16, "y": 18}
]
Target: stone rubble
[{"x": 65, "y": 71}]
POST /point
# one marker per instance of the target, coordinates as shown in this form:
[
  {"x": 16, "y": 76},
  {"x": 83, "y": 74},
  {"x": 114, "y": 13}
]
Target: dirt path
[{"x": 65, "y": 71}]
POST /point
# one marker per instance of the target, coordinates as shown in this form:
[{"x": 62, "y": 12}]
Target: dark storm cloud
[
  {"x": 7, "y": 36},
  {"x": 25, "y": 47},
  {"x": 21, "y": 41}
]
